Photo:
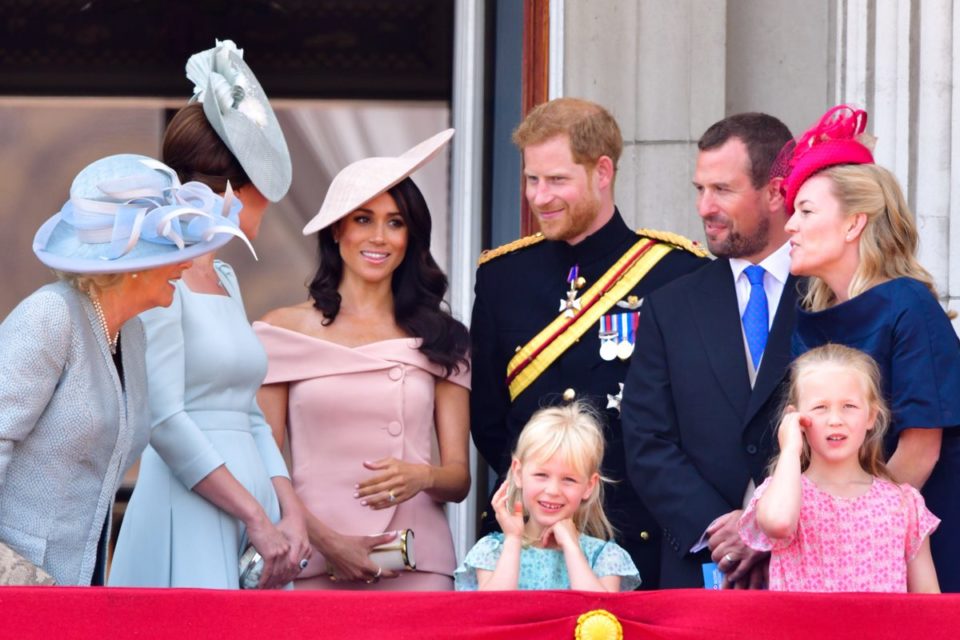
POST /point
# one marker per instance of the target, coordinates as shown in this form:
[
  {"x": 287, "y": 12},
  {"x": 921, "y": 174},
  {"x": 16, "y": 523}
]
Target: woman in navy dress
[{"x": 853, "y": 234}]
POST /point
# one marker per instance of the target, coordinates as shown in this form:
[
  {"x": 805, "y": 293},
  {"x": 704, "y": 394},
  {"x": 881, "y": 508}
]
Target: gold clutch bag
[
  {"x": 396, "y": 555},
  {"x": 17, "y": 570}
]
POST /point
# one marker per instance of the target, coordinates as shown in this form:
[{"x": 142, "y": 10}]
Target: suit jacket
[
  {"x": 68, "y": 430},
  {"x": 695, "y": 432},
  {"x": 517, "y": 295}
]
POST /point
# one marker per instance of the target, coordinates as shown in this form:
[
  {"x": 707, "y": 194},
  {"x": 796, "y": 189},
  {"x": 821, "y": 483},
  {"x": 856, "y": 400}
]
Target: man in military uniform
[{"x": 556, "y": 313}]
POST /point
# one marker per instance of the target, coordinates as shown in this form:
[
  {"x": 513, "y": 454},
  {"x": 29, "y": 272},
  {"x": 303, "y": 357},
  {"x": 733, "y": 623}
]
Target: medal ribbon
[{"x": 537, "y": 355}]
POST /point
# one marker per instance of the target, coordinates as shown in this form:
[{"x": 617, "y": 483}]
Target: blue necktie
[{"x": 756, "y": 323}]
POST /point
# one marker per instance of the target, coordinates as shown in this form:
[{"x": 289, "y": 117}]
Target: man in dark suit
[
  {"x": 570, "y": 151},
  {"x": 701, "y": 400}
]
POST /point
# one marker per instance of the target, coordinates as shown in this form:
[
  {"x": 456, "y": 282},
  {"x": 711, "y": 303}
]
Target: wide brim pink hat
[
  {"x": 366, "y": 179},
  {"x": 832, "y": 141}
]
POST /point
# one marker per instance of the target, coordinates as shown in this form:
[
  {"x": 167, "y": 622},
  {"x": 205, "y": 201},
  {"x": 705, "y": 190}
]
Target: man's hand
[{"x": 743, "y": 567}]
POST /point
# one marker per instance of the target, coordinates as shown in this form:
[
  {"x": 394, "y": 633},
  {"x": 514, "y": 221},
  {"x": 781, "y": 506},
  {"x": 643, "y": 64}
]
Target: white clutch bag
[
  {"x": 251, "y": 566},
  {"x": 396, "y": 555}
]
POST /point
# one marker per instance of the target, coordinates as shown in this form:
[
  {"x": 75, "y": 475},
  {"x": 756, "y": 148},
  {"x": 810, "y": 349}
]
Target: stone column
[
  {"x": 660, "y": 67},
  {"x": 897, "y": 59}
]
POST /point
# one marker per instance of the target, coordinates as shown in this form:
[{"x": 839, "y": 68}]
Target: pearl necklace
[{"x": 111, "y": 341}]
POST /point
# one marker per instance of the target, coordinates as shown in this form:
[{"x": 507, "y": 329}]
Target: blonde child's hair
[
  {"x": 574, "y": 433},
  {"x": 871, "y": 451}
]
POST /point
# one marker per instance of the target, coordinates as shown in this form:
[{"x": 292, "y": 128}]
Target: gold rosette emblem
[{"x": 598, "y": 624}]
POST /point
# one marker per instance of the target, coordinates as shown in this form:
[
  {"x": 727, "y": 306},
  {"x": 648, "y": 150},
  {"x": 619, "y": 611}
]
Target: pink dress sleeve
[
  {"x": 750, "y": 531},
  {"x": 461, "y": 377},
  {"x": 921, "y": 521}
]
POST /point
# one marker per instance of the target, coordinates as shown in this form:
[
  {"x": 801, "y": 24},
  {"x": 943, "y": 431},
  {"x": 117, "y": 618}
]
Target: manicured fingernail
[
  {"x": 356, "y": 495},
  {"x": 363, "y": 502},
  {"x": 356, "y": 486}
]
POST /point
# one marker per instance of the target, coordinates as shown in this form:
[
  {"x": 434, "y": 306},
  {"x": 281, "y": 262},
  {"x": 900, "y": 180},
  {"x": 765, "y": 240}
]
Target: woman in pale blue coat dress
[
  {"x": 73, "y": 401},
  {"x": 212, "y": 480}
]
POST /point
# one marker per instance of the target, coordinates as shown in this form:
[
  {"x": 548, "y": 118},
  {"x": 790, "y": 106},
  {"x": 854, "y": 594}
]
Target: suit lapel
[
  {"x": 777, "y": 354},
  {"x": 717, "y": 318}
]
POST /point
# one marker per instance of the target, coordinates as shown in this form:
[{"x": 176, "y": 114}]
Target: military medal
[
  {"x": 627, "y": 332},
  {"x": 571, "y": 305},
  {"x": 632, "y": 302},
  {"x": 613, "y": 401},
  {"x": 608, "y": 338}
]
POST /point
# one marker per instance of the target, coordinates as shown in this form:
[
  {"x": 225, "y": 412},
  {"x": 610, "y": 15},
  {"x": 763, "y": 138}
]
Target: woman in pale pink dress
[
  {"x": 366, "y": 376},
  {"x": 830, "y": 514}
]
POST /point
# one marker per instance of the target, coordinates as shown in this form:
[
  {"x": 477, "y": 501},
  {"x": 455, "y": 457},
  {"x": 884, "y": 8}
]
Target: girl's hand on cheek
[
  {"x": 509, "y": 517},
  {"x": 562, "y": 534},
  {"x": 790, "y": 433}
]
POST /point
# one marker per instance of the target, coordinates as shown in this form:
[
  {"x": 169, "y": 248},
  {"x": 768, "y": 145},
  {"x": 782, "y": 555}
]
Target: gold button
[
  {"x": 644, "y": 535},
  {"x": 569, "y": 395},
  {"x": 483, "y": 516},
  {"x": 517, "y": 350}
]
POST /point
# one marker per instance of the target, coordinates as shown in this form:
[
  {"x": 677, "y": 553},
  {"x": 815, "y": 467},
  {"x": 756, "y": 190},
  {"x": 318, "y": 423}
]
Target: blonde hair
[
  {"x": 574, "y": 433},
  {"x": 888, "y": 244},
  {"x": 90, "y": 283},
  {"x": 871, "y": 454}
]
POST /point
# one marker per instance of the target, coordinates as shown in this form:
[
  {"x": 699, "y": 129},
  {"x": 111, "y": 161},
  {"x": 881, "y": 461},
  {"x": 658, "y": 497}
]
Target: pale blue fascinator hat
[
  {"x": 238, "y": 110},
  {"x": 129, "y": 212}
]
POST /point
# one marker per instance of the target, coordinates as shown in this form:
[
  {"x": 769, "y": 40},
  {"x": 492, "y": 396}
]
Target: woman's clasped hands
[{"x": 280, "y": 566}]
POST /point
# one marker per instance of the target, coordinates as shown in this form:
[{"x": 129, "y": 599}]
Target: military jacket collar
[{"x": 599, "y": 245}]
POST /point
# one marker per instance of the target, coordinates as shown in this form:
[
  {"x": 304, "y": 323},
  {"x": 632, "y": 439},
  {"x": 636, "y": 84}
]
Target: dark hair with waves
[
  {"x": 193, "y": 149},
  {"x": 418, "y": 285}
]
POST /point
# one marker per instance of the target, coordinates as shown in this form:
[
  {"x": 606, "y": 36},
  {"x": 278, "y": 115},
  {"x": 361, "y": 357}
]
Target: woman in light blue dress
[{"x": 212, "y": 480}]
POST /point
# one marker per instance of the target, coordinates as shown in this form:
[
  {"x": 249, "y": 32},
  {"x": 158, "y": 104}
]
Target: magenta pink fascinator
[{"x": 832, "y": 141}]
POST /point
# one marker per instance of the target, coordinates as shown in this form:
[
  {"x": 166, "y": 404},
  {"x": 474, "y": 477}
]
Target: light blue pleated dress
[{"x": 204, "y": 366}]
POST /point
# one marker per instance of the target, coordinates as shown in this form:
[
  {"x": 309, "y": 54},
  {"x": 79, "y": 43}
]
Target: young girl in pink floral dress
[{"x": 830, "y": 514}]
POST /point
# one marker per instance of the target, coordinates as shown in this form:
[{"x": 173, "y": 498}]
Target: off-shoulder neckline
[{"x": 331, "y": 342}]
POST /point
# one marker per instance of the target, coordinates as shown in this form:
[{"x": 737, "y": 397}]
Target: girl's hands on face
[
  {"x": 510, "y": 517},
  {"x": 561, "y": 534},
  {"x": 399, "y": 479},
  {"x": 790, "y": 433}
]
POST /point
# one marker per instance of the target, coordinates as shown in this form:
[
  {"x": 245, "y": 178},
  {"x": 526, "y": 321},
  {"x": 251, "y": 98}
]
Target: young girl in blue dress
[{"x": 555, "y": 533}]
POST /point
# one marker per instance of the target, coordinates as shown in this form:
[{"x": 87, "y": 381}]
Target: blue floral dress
[{"x": 546, "y": 568}]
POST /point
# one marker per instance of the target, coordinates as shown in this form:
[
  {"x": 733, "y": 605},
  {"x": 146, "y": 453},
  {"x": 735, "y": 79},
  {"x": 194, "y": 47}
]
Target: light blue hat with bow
[
  {"x": 238, "y": 110},
  {"x": 129, "y": 212}
]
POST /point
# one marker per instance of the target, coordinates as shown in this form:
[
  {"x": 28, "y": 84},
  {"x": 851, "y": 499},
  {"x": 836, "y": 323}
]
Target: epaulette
[
  {"x": 675, "y": 239},
  {"x": 510, "y": 247}
]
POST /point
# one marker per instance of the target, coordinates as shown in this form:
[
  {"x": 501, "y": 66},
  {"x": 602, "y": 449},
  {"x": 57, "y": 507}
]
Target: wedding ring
[
  {"x": 303, "y": 564},
  {"x": 390, "y": 495},
  {"x": 729, "y": 558}
]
